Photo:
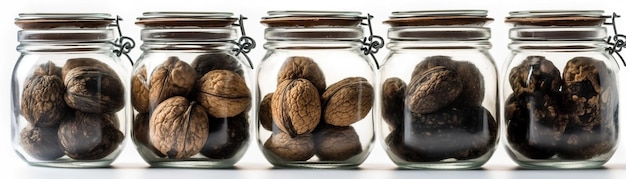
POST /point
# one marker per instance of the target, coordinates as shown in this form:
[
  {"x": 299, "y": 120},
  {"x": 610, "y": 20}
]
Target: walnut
[
  {"x": 41, "y": 142},
  {"x": 347, "y": 101},
  {"x": 223, "y": 93},
  {"x": 78, "y": 62},
  {"x": 178, "y": 128},
  {"x": 436, "y": 88},
  {"x": 296, "y": 107},
  {"x": 42, "y": 100},
  {"x": 473, "y": 85},
  {"x": 393, "y": 102},
  {"x": 141, "y": 134},
  {"x": 90, "y": 136},
  {"x": 171, "y": 78},
  {"x": 518, "y": 131},
  {"x": 227, "y": 137},
  {"x": 302, "y": 67},
  {"x": 580, "y": 143},
  {"x": 298, "y": 148},
  {"x": 140, "y": 91},
  {"x": 265, "y": 112},
  {"x": 333, "y": 143},
  {"x": 94, "y": 90},
  {"x": 216, "y": 61},
  {"x": 535, "y": 73},
  {"x": 432, "y": 62}
]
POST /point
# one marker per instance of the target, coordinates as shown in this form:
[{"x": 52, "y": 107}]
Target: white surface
[{"x": 254, "y": 165}]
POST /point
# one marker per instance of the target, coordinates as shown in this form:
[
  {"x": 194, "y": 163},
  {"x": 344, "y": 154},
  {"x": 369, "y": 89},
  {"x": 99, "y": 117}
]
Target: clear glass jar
[
  {"x": 69, "y": 97},
  {"x": 438, "y": 90},
  {"x": 315, "y": 90},
  {"x": 559, "y": 90},
  {"x": 191, "y": 90}
]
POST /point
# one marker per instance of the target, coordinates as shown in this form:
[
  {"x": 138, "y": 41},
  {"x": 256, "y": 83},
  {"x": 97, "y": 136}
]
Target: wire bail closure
[
  {"x": 372, "y": 43},
  {"x": 616, "y": 42},
  {"x": 123, "y": 44},
  {"x": 245, "y": 44}
]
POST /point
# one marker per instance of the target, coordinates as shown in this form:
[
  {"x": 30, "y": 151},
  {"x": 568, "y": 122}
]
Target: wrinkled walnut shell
[
  {"x": 216, "y": 61},
  {"x": 535, "y": 73},
  {"x": 347, "y": 101},
  {"x": 140, "y": 91},
  {"x": 223, "y": 93},
  {"x": 473, "y": 85},
  {"x": 296, "y": 107},
  {"x": 141, "y": 133},
  {"x": 299, "y": 148},
  {"x": 518, "y": 129},
  {"x": 42, "y": 100},
  {"x": 333, "y": 143},
  {"x": 265, "y": 112},
  {"x": 41, "y": 142},
  {"x": 90, "y": 136},
  {"x": 78, "y": 62},
  {"x": 227, "y": 137},
  {"x": 172, "y": 78},
  {"x": 432, "y": 62},
  {"x": 393, "y": 102},
  {"x": 302, "y": 67},
  {"x": 178, "y": 128},
  {"x": 436, "y": 88},
  {"x": 94, "y": 90}
]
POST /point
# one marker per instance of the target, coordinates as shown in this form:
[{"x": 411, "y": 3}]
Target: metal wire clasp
[
  {"x": 245, "y": 43},
  {"x": 372, "y": 43},
  {"x": 616, "y": 42},
  {"x": 123, "y": 44}
]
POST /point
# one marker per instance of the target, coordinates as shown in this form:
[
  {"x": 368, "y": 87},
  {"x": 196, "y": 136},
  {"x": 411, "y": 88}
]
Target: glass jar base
[
  {"x": 317, "y": 165},
  {"x": 73, "y": 164},
  {"x": 191, "y": 164},
  {"x": 585, "y": 164},
  {"x": 463, "y": 165}
]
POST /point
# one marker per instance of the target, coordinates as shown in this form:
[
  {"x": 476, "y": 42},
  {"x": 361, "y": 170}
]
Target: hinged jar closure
[
  {"x": 313, "y": 25},
  {"x": 187, "y": 26},
  {"x": 439, "y": 25},
  {"x": 65, "y": 27},
  {"x": 557, "y": 25}
]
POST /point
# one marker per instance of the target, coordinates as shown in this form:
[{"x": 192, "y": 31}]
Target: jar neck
[
  {"x": 439, "y": 45},
  {"x": 557, "y": 33},
  {"x": 439, "y": 33},
  {"x": 188, "y": 46},
  {"x": 66, "y": 40},
  {"x": 312, "y": 45},
  {"x": 559, "y": 45}
]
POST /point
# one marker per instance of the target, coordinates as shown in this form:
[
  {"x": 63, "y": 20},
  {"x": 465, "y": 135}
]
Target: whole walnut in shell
[
  {"x": 393, "y": 102},
  {"x": 42, "y": 99},
  {"x": 347, "y": 101},
  {"x": 140, "y": 91},
  {"x": 436, "y": 88},
  {"x": 334, "y": 143},
  {"x": 535, "y": 73},
  {"x": 265, "y": 112},
  {"x": 171, "y": 78},
  {"x": 296, "y": 107},
  {"x": 227, "y": 137},
  {"x": 473, "y": 85},
  {"x": 78, "y": 62},
  {"x": 94, "y": 90},
  {"x": 141, "y": 134},
  {"x": 302, "y": 67},
  {"x": 223, "y": 93},
  {"x": 216, "y": 61},
  {"x": 432, "y": 62},
  {"x": 41, "y": 142},
  {"x": 90, "y": 136},
  {"x": 179, "y": 128},
  {"x": 298, "y": 148}
]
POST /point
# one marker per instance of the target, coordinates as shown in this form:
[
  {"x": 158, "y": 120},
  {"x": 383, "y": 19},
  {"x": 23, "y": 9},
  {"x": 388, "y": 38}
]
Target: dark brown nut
[
  {"x": 347, "y": 101},
  {"x": 398, "y": 149},
  {"x": 393, "y": 102},
  {"x": 518, "y": 131},
  {"x": 302, "y": 67},
  {"x": 90, "y": 136},
  {"x": 535, "y": 73},
  {"x": 140, "y": 91},
  {"x": 432, "y": 62},
  {"x": 299, "y": 148},
  {"x": 78, "y": 62},
  {"x": 223, "y": 93},
  {"x": 333, "y": 143},
  {"x": 216, "y": 61},
  {"x": 41, "y": 142},
  {"x": 473, "y": 85},
  {"x": 172, "y": 78},
  {"x": 436, "y": 88},
  {"x": 265, "y": 112},
  {"x": 179, "y": 128},
  {"x": 141, "y": 134},
  {"x": 580, "y": 143},
  {"x": 42, "y": 100},
  {"x": 94, "y": 90},
  {"x": 296, "y": 107},
  {"x": 227, "y": 137}
]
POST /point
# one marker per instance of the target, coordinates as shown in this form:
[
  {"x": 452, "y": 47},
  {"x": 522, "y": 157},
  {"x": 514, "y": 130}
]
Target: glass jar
[
  {"x": 191, "y": 90},
  {"x": 315, "y": 90},
  {"x": 438, "y": 90},
  {"x": 69, "y": 97},
  {"x": 559, "y": 90}
]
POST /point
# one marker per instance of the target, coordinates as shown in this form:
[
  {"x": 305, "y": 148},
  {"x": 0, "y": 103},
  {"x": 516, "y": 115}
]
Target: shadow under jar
[
  {"x": 190, "y": 91},
  {"x": 316, "y": 90},
  {"x": 438, "y": 90},
  {"x": 68, "y": 91},
  {"x": 559, "y": 90}
]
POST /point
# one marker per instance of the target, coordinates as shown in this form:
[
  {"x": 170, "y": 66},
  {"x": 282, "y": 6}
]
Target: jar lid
[
  {"x": 186, "y": 19},
  {"x": 557, "y": 18},
  {"x": 439, "y": 17},
  {"x": 312, "y": 18},
  {"x": 63, "y": 20}
]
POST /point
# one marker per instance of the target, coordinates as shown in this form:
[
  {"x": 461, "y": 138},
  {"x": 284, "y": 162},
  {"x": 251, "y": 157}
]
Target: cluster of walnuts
[
  {"x": 71, "y": 110},
  {"x": 438, "y": 115},
  {"x": 188, "y": 109},
  {"x": 573, "y": 116},
  {"x": 308, "y": 119}
]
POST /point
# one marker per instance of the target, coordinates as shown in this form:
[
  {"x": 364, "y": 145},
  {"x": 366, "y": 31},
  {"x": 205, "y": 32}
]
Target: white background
[{"x": 130, "y": 165}]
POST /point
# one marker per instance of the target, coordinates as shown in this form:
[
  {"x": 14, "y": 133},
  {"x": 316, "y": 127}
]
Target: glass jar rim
[
  {"x": 439, "y": 18},
  {"x": 430, "y": 13},
  {"x": 313, "y": 13},
  {"x": 557, "y": 18},
  {"x": 69, "y": 20},
  {"x": 556, "y": 13},
  {"x": 313, "y": 18},
  {"x": 162, "y": 19}
]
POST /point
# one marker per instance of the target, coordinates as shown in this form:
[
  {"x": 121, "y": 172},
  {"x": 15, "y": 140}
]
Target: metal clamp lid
[
  {"x": 618, "y": 41},
  {"x": 372, "y": 43},
  {"x": 123, "y": 44},
  {"x": 245, "y": 43}
]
